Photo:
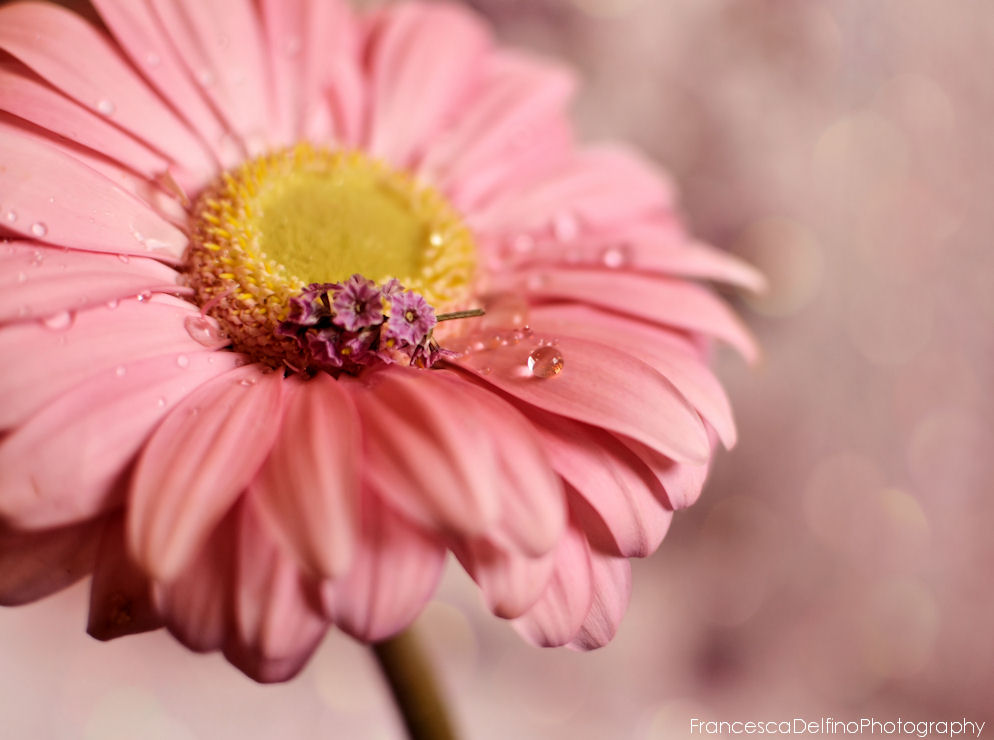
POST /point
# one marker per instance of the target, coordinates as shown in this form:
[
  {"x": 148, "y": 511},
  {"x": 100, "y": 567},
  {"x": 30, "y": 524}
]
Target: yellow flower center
[{"x": 278, "y": 223}]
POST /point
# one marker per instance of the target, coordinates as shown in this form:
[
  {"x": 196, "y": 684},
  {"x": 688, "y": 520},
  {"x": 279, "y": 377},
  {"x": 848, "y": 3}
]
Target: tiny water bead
[
  {"x": 546, "y": 362},
  {"x": 39, "y": 229},
  {"x": 59, "y": 321},
  {"x": 205, "y": 331},
  {"x": 106, "y": 107}
]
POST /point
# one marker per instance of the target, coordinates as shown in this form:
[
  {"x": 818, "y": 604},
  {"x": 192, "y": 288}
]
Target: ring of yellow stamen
[{"x": 280, "y": 222}]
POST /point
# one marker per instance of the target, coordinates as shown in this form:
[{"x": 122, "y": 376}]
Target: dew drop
[
  {"x": 204, "y": 331},
  {"x": 565, "y": 227},
  {"x": 161, "y": 402},
  {"x": 112, "y": 304},
  {"x": 183, "y": 361},
  {"x": 39, "y": 229},
  {"x": 615, "y": 257},
  {"x": 144, "y": 296},
  {"x": 37, "y": 257},
  {"x": 546, "y": 362},
  {"x": 106, "y": 107},
  {"x": 247, "y": 381},
  {"x": 59, "y": 321},
  {"x": 11, "y": 216},
  {"x": 124, "y": 258},
  {"x": 120, "y": 371},
  {"x": 486, "y": 370}
]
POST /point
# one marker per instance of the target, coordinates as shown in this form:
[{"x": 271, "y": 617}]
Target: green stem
[
  {"x": 470, "y": 314},
  {"x": 414, "y": 689}
]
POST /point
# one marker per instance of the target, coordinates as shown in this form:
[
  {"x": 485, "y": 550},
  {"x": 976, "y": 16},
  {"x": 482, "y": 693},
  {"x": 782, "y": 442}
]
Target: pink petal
[
  {"x": 38, "y": 281},
  {"x": 309, "y": 486},
  {"x": 506, "y": 132},
  {"x": 533, "y": 506},
  {"x": 120, "y": 594},
  {"x": 670, "y": 355},
  {"x": 602, "y": 388},
  {"x": 599, "y": 187},
  {"x": 197, "y": 605},
  {"x": 97, "y": 340},
  {"x": 682, "y": 482},
  {"x": 79, "y": 61},
  {"x": 424, "y": 455},
  {"x": 277, "y": 627},
  {"x": 33, "y": 101},
  {"x": 664, "y": 301},
  {"x": 558, "y": 615},
  {"x": 699, "y": 260},
  {"x": 221, "y": 44},
  {"x": 313, "y": 53},
  {"x": 423, "y": 60},
  {"x": 612, "y": 587},
  {"x": 88, "y": 212},
  {"x": 197, "y": 463},
  {"x": 140, "y": 35},
  {"x": 63, "y": 464},
  {"x": 511, "y": 583},
  {"x": 395, "y": 571},
  {"x": 36, "y": 563},
  {"x": 622, "y": 508}
]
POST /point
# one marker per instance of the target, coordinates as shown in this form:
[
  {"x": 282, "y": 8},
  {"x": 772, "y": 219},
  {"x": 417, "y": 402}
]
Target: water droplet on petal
[
  {"x": 37, "y": 257},
  {"x": 112, "y": 304},
  {"x": 106, "y": 107},
  {"x": 39, "y": 229},
  {"x": 205, "y": 331},
  {"x": 615, "y": 257},
  {"x": 183, "y": 361},
  {"x": 124, "y": 258},
  {"x": 120, "y": 371},
  {"x": 59, "y": 321},
  {"x": 247, "y": 381},
  {"x": 11, "y": 216},
  {"x": 486, "y": 370},
  {"x": 546, "y": 362},
  {"x": 160, "y": 402},
  {"x": 565, "y": 227},
  {"x": 144, "y": 296}
]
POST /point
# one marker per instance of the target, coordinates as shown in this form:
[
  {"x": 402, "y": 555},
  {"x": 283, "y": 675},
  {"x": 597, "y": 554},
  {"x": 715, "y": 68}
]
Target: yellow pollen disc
[{"x": 280, "y": 222}]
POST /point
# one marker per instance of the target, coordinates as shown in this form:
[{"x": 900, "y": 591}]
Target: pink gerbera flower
[{"x": 210, "y": 206}]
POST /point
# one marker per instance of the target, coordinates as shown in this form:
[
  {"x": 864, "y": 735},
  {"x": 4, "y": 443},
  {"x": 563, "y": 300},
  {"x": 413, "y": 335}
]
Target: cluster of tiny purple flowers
[{"x": 344, "y": 327}]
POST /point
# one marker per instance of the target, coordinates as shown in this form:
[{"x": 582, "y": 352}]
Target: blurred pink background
[{"x": 839, "y": 561}]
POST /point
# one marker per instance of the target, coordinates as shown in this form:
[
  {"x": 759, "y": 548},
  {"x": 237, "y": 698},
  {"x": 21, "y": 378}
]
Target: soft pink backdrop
[{"x": 839, "y": 562}]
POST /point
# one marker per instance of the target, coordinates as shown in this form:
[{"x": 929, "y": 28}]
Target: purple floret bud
[
  {"x": 411, "y": 319},
  {"x": 357, "y": 303}
]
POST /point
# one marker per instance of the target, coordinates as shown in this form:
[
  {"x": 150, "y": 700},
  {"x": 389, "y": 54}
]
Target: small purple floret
[
  {"x": 357, "y": 303},
  {"x": 341, "y": 327},
  {"x": 411, "y": 319}
]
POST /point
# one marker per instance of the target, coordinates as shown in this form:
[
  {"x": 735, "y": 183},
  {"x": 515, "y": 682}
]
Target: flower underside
[{"x": 318, "y": 260}]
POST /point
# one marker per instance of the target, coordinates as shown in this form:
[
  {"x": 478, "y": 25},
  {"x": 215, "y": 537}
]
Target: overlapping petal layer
[{"x": 247, "y": 510}]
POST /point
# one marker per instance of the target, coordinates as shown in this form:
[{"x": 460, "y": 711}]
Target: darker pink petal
[
  {"x": 120, "y": 594},
  {"x": 196, "y": 464},
  {"x": 309, "y": 486},
  {"x": 277, "y": 619},
  {"x": 395, "y": 571},
  {"x": 36, "y": 563},
  {"x": 612, "y": 588},
  {"x": 558, "y": 615},
  {"x": 511, "y": 583}
]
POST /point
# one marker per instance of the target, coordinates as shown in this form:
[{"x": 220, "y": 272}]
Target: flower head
[{"x": 227, "y": 285}]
